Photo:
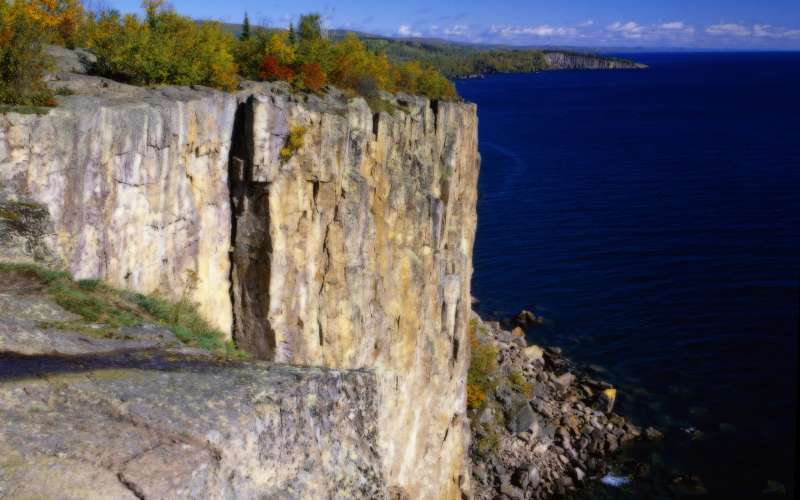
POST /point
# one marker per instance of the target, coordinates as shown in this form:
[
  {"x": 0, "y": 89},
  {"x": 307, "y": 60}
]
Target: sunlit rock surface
[{"x": 353, "y": 252}]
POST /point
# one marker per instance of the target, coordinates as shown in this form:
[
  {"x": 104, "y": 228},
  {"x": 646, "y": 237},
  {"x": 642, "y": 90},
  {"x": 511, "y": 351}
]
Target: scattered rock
[
  {"x": 605, "y": 401},
  {"x": 534, "y": 353},
  {"x": 688, "y": 485},
  {"x": 564, "y": 380},
  {"x": 520, "y": 419},
  {"x": 653, "y": 434},
  {"x": 553, "y": 437}
]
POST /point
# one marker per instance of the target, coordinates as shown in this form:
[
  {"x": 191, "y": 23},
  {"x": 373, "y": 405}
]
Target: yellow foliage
[
  {"x": 293, "y": 142},
  {"x": 164, "y": 49},
  {"x": 23, "y": 61},
  {"x": 280, "y": 48},
  {"x": 60, "y": 20}
]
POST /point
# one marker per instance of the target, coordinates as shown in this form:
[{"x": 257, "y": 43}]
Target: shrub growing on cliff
[
  {"x": 481, "y": 377},
  {"x": 294, "y": 142},
  {"x": 23, "y": 61},
  {"x": 164, "y": 48}
]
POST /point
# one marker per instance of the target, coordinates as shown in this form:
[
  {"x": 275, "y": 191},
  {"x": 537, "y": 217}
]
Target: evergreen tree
[
  {"x": 292, "y": 36},
  {"x": 245, "y": 28}
]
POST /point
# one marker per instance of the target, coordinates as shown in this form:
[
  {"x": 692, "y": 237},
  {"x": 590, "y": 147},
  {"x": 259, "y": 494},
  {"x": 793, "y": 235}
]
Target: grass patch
[
  {"x": 518, "y": 381},
  {"x": 104, "y": 310}
]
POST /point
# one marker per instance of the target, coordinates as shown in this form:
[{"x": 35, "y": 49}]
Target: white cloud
[
  {"x": 768, "y": 31},
  {"x": 627, "y": 30},
  {"x": 586, "y": 24},
  {"x": 543, "y": 31},
  {"x": 728, "y": 30},
  {"x": 673, "y": 31},
  {"x": 457, "y": 30},
  {"x": 405, "y": 30}
]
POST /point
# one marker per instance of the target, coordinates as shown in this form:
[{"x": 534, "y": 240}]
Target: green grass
[{"x": 104, "y": 310}]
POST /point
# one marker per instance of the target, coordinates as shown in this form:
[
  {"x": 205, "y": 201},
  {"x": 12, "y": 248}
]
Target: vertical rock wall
[
  {"x": 356, "y": 252},
  {"x": 136, "y": 184}
]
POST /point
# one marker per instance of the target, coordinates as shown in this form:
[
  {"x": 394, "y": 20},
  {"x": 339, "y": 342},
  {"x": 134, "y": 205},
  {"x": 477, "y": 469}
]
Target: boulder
[
  {"x": 605, "y": 401},
  {"x": 520, "y": 418},
  {"x": 534, "y": 353}
]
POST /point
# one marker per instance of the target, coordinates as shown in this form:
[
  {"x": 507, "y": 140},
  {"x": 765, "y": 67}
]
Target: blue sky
[{"x": 742, "y": 24}]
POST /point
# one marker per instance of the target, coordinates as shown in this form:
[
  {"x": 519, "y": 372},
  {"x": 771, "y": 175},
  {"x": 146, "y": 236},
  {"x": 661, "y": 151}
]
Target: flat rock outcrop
[{"x": 143, "y": 417}]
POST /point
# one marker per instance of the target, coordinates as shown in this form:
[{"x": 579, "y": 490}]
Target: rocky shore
[{"x": 540, "y": 428}]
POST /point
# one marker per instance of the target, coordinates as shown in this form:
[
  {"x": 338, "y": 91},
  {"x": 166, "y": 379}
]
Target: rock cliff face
[
  {"x": 353, "y": 252},
  {"x": 136, "y": 184},
  {"x": 570, "y": 60}
]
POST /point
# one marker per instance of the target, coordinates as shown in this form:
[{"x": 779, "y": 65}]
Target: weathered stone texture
[
  {"x": 152, "y": 426},
  {"x": 136, "y": 185},
  {"x": 355, "y": 253}
]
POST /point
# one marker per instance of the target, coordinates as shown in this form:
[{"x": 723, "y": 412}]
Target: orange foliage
[
  {"x": 313, "y": 76},
  {"x": 61, "y": 19},
  {"x": 272, "y": 70}
]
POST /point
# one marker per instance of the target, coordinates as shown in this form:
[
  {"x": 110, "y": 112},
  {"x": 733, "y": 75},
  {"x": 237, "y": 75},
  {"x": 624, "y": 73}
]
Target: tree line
[{"x": 162, "y": 47}]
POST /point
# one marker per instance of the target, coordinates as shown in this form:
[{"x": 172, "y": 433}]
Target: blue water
[{"x": 653, "y": 217}]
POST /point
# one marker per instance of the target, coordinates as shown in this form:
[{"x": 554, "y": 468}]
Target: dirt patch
[{"x": 20, "y": 282}]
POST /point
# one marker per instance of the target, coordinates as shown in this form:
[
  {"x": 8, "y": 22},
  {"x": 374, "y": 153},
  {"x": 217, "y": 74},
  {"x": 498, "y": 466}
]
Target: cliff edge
[{"x": 310, "y": 229}]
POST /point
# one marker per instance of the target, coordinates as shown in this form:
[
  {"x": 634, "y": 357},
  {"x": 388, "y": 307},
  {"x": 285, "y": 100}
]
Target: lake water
[{"x": 653, "y": 217}]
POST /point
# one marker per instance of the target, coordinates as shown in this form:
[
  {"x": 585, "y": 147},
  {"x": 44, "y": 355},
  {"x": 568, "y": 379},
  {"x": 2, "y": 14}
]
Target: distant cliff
[
  {"x": 575, "y": 60},
  {"x": 315, "y": 231}
]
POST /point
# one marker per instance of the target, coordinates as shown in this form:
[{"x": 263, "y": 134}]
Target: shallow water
[{"x": 654, "y": 218}]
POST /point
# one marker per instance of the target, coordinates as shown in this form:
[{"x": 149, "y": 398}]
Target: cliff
[
  {"x": 351, "y": 253},
  {"x": 575, "y": 60}
]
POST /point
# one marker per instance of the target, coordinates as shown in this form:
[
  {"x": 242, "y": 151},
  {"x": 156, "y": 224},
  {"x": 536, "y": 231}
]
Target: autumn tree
[
  {"x": 312, "y": 77},
  {"x": 58, "y": 20},
  {"x": 164, "y": 49},
  {"x": 22, "y": 59}
]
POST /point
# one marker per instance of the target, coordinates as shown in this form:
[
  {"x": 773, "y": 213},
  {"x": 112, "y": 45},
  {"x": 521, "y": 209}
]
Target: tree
[
  {"x": 245, "y": 28},
  {"x": 310, "y": 27},
  {"x": 152, "y": 8},
  {"x": 164, "y": 49},
  {"x": 313, "y": 77},
  {"x": 23, "y": 61},
  {"x": 272, "y": 70}
]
